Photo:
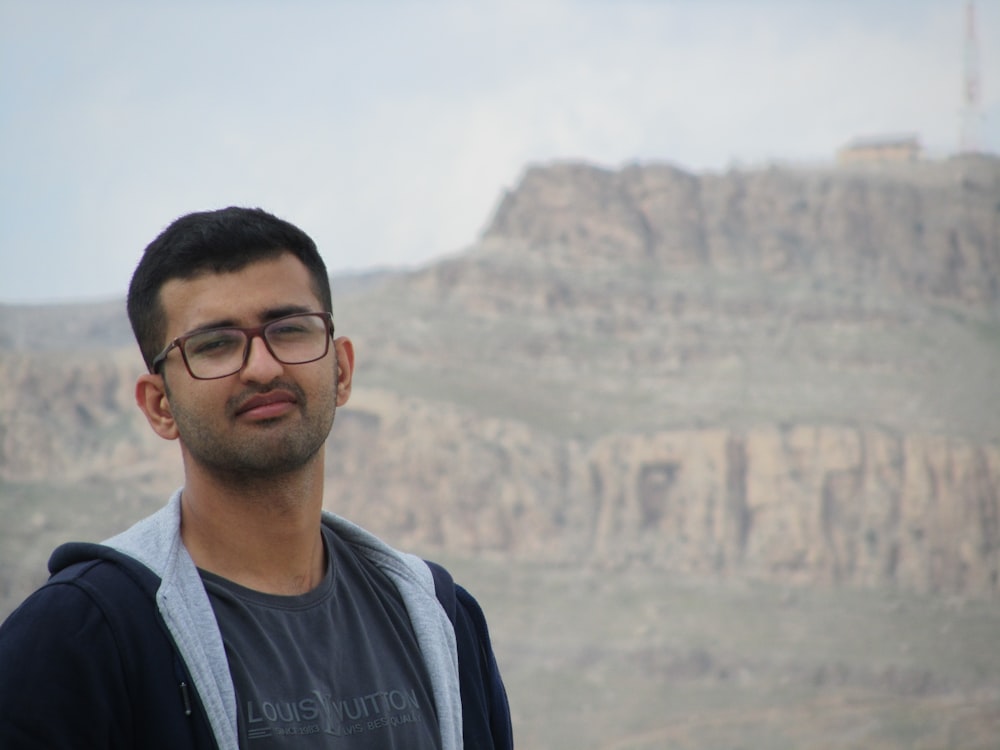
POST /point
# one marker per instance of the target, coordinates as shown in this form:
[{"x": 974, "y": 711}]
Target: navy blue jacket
[{"x": 87, "y": 662}]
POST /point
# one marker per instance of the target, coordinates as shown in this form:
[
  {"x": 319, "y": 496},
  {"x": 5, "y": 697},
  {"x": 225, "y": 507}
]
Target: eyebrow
[
  {"x": 280, "y": 312},
  {"x": 266, "y": 317}
]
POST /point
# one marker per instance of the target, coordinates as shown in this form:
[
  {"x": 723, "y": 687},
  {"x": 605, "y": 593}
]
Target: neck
[{"x": 262, "y": 533}]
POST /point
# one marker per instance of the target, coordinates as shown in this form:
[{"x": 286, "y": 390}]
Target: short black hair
[{"x": 221, "y": 241}]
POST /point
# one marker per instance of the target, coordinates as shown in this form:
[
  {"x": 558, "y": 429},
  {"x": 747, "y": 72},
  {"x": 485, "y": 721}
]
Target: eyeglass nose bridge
[{"x": 254, "y": 333}]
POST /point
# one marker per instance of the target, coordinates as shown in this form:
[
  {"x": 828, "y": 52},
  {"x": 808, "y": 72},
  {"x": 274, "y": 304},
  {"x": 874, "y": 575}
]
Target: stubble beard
[{"x": 265, "y": 450}]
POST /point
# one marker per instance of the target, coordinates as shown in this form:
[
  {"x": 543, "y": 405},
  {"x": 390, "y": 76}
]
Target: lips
[{"x": 267, "y": 405}]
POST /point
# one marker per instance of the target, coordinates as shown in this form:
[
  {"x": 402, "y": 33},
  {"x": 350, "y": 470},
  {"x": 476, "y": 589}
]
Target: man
[{"x": 242, "y": 614}]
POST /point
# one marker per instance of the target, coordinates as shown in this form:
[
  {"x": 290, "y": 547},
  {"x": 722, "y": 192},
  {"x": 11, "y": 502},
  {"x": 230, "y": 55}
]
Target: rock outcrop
[
  {"x": 928, "y": 229},
  {"x": 799, "y": 504}
]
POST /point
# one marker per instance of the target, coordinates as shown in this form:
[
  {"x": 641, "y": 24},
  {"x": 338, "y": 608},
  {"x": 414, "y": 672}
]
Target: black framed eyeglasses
[{"x": 220, "y": 352}]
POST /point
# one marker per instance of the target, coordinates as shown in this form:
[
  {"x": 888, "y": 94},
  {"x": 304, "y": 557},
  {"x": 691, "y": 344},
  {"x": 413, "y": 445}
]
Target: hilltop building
[{"x": 880, "y": 150}]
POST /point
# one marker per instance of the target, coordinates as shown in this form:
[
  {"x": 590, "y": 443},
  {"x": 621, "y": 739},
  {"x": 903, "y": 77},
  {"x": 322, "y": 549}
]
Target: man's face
[{"x": 269, "y": 418}]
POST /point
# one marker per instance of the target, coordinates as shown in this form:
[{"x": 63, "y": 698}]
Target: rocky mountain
[
  {"x": 927, "y": 229},
  {"x": 782, "y": 374}
]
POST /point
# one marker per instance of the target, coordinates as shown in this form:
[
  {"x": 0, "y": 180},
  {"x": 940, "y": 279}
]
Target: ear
[
  {"x": 344, "y": 350},
  {"x": 151, "y": 398}
]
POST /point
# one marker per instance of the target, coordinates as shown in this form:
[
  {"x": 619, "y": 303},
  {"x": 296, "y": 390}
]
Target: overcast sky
[{"x": 388, "y": 130}]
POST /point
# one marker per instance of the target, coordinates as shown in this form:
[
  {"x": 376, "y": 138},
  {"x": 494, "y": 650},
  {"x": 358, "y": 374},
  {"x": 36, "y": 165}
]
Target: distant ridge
[{"x": 926, "y": 228}]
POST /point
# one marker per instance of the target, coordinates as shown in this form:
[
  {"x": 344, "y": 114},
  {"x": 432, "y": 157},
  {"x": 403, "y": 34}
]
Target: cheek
[
  {"x": 192, "y": 403},
  {"x": 321, "y": 391}
]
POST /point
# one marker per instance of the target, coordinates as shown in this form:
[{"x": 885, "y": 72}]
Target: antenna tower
[{"x": 969, "y": 140}]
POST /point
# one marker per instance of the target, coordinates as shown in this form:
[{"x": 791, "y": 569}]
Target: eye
[
  {"x": 294, "y": 328},
  {"x": 214, "y": 344},
  {"x": 291, "y": 327}
]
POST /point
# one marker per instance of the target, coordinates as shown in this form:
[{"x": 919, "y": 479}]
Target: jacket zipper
[{"x": 186, "y": 698}]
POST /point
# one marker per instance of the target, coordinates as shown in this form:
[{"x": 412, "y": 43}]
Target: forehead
[{"x": 244, "y": 297}]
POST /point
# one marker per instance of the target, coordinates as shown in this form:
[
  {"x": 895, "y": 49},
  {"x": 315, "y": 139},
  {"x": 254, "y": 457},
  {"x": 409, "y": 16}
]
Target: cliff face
[
  {"x": 783, "y": 374},
  {"x": 799, "y": 504},
  {"x": 927, "y": 229}
]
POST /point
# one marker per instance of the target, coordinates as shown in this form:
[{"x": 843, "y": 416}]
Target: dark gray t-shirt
[{"x": 338, "y": 666}]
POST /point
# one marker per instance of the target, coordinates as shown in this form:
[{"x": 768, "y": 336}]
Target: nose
[{"x": 260, "y": 365}]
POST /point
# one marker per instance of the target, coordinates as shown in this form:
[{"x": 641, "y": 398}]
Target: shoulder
[
  {"x": 101, "y": 570},
  {"x": 90, "y": 585},
  {"x": 444, "y": 588},
  {"x": 78, "y": 656},
  {"x": 69, "y": 632},
  {"x": 485, "y": 709}
]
